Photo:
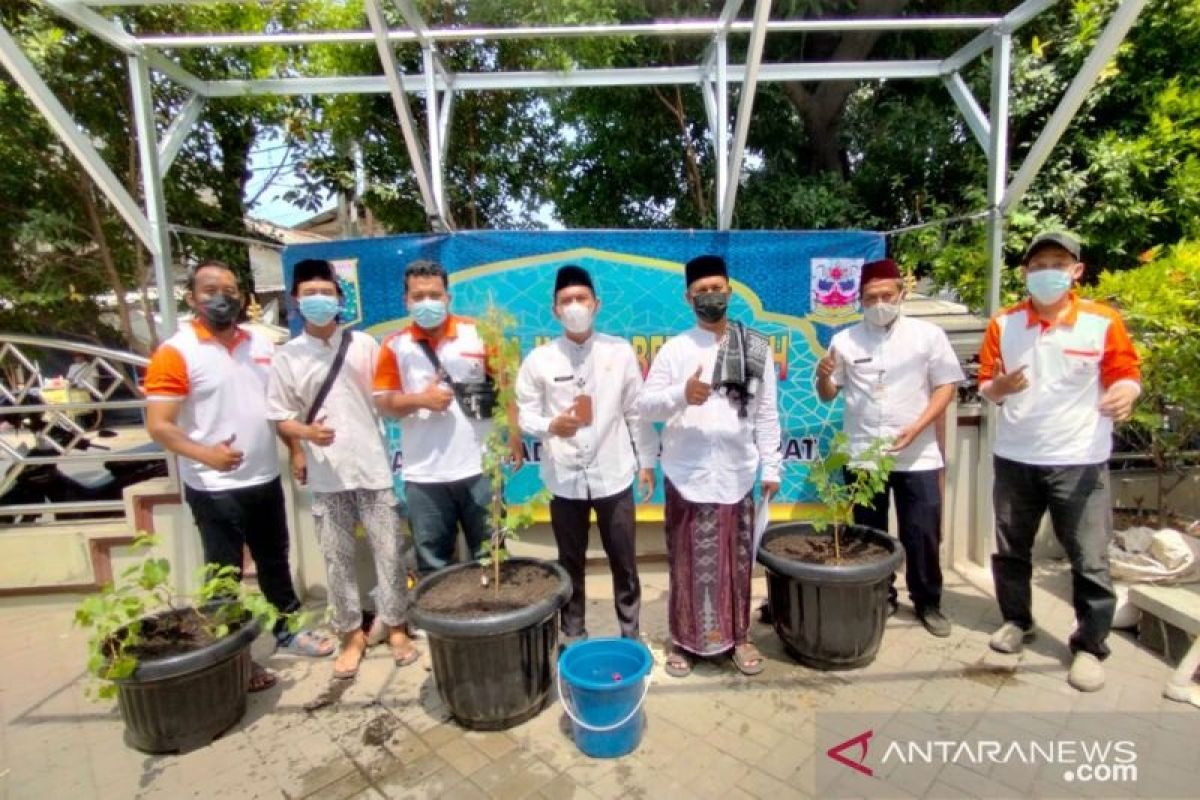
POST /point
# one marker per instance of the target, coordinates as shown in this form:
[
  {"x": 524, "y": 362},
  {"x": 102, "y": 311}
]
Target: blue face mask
[
  {"x": 319, "y": 309},
  {"x": 429, "y": 314},
  {"x": 1047, "y": 286}
]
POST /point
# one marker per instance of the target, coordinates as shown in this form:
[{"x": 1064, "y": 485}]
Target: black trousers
[
  {"x": 1077, "y": 498},
  {"x": 919, "y": 517},
  {"x": 570, "y": 521},
  {"x": 253, "y": 516}
]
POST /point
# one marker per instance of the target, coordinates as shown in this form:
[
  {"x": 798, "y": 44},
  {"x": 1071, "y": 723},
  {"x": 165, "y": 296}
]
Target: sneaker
[
  {"x": 1086, "y": 675},
  {"x": 1010, "y": 638},
  {"x": 935, "y": 622}
]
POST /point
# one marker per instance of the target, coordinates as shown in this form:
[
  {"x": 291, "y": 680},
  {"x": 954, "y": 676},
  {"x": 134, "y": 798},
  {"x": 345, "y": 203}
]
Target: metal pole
[
  {"x": 432, "y": 120},
  {"x": 178, "y": 131},
  {"x": 997, "y": 167},
  {"x": 762, "y": 11},
  {"x": 152, "y": 189},
  {"x": 722, "y": 123}
]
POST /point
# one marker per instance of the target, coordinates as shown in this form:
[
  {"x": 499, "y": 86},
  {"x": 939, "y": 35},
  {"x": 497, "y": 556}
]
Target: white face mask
[
  {"x": 882, "y": 314},
  {"x": 576, "y": 318}
]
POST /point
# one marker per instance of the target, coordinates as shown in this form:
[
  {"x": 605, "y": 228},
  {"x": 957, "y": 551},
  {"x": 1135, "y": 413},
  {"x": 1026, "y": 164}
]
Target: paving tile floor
[{"x": 716, "y": 734}]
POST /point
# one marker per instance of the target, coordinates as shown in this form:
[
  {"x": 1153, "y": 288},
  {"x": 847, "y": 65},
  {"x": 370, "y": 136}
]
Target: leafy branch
[{"x": 868, "y": 473}]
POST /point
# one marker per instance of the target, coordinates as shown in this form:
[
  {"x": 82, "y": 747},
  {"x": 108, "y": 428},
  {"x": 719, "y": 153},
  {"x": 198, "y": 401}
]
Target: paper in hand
[{"x": 762, "y": 516}]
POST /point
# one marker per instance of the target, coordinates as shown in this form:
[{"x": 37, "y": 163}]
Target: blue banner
[{"x": 798, "y": 288}]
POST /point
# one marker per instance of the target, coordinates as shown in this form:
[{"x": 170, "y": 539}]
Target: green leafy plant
[
  {"x": 839, "y": 496},
  {"x": 117, "y": 615},
  {"x": 1160, "y": 301},
  {"x": 505, "y": 521}
]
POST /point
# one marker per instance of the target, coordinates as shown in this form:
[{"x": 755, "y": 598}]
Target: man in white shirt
[
  {"x": 714, "y": 387},
  {"x": 1062, "y": 370},
  {"x": 897, "y": 375},
  {"x": 442, "y": 440},
  {"x": 578, "y": 395},
  {"x": 343, "y": 460},
  {"x": 207, "y": 392}
]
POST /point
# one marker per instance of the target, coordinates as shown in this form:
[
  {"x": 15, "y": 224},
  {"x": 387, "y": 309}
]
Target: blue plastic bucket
[{"x": 606, "y": 681}]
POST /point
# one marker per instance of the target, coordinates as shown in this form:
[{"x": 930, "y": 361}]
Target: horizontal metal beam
[
  {"x": 691, "y": 28},
  {"x": 644, "y": 76},
  {"x": 1007, "y": 24},
  {"x": 96, "y": 25}
]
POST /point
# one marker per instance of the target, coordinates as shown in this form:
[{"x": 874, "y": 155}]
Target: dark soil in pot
[
  {"x": 818, "y": 548},
  {"x": 464, "y": 594}
]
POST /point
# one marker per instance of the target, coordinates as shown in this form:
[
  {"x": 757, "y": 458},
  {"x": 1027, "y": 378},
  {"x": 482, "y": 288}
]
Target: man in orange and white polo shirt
[
  {"x": 1062, "y": 370},
  {"x": 444, "y": 484},
  {"x": 207, "y": 393}
]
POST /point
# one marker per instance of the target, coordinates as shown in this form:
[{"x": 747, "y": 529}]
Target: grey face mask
[
  {"x": 220, "y": 311},
  {"x": 710, "y": 307}
]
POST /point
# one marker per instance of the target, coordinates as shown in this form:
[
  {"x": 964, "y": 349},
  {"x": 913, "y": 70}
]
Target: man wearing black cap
[
  {"x": 1062, "y": 370},
  {"x": 578, "y": 395},
  {"x": 319, "y": 396},
  {"x": 897, "y": 375},
  {"x": 714, "y": 387}
]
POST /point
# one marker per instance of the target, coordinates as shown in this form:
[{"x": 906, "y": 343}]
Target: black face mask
[
  {"x": 219, "y": 312},
  {"x": 710, "y": 307}
]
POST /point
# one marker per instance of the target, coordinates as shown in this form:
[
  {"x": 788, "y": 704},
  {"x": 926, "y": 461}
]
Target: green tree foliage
[{"x": 1160, "y": 301}]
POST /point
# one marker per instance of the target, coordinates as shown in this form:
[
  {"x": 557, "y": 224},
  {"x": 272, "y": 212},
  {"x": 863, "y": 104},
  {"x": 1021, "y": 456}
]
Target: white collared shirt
[
  {"x": 222, "y": 392},
  {"x": 357, "y": 458},
  {"x": 438, "y": 446},
  {"x": 887, "y": 376},
  {"x": 602, "y": 458},
  {"x": 709, "y": 452}
]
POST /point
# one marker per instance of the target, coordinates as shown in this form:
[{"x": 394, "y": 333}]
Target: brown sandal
[
  {"x": 747, "y": 659},
  {"x": 678, "y": 663},
  {"x": 261, "y": 679}
]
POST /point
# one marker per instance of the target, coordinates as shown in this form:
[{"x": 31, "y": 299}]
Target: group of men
[{"x": 1061, "y": 368}]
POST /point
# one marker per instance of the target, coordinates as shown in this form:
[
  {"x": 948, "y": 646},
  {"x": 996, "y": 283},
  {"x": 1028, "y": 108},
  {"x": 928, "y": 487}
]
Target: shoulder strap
[
  {"x": 432, "y": 355},
  {"x": 323, "y": 392}
]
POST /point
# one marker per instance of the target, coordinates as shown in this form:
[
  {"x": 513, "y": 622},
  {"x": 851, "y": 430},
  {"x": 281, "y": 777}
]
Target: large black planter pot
[
  {"x": 494, "y": 671},
  {"x": 830, "y": 616},
  {"x": 185, "y": 701}
]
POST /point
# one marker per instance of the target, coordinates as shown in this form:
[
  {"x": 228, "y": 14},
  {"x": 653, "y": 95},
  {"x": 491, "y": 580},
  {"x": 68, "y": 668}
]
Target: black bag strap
[
  {"x": 323, "y": 392},
  {"x": 432, "y": 355}
]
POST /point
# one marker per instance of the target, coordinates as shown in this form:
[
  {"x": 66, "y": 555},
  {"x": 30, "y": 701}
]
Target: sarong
[{"x": 708, "y": 549}]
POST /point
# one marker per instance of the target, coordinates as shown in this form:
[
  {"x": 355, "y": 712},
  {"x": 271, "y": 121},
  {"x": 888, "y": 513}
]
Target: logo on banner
[{"x": 835, "y": 287}]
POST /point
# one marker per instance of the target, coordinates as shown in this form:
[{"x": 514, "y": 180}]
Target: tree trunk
[
  {"x": 96, "y": 225},
  {"x": 822, "y": 107},
  {"x": 691, "y": 162}
]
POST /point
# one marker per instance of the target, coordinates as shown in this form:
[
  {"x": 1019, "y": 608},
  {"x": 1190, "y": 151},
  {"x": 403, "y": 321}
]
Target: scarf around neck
[{"x": 741, "y": 364}]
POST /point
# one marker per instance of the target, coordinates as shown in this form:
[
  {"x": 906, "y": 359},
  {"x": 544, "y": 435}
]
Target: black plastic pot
[
  {"x": 494, "y": 671},
  {"x": 830, "y": 616},
  {"x": 185, "y": 701}
]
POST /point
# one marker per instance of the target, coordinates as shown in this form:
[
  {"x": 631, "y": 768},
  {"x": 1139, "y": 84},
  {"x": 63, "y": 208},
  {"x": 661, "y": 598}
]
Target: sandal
[
  {"x": 678, "y": 664},
  {"x": 355, "y": 637},
  {"x": 307, "y": 644},
  {"x": 403, "y": 652},
  {"x": 747, "y": 659},
  {"x": 261, "y": 679}
]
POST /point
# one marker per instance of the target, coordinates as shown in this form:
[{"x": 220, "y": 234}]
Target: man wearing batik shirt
[
  {"x": 578, "y": 395},
  {"x": 714, "y": 387},
  {"x": 1061, "y": 370}
]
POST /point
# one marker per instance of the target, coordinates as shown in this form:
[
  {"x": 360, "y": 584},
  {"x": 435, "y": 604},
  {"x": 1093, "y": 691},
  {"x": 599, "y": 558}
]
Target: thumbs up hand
[
  {"x": 697, "y": 391},
  {"x": 224, "y": 457}
]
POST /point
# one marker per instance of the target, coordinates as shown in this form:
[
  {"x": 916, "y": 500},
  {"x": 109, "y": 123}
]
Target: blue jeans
[{"x": 437, "y": 510}]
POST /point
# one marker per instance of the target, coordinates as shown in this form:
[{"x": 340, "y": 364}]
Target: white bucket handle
[{"x": 601, "y": 728}]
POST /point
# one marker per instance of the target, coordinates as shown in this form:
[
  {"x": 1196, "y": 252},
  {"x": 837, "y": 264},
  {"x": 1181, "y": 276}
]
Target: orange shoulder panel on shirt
[
  {"x": 387, "y": 369},
  {"x": 167, "y": 373},
  {"x": 989, "y": 351},
  {"x": 1120, "y": 361}
]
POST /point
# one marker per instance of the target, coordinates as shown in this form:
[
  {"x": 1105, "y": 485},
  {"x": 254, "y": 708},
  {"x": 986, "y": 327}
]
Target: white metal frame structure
[{"x": 439, "y": 86}]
